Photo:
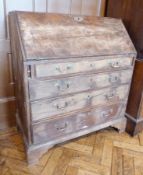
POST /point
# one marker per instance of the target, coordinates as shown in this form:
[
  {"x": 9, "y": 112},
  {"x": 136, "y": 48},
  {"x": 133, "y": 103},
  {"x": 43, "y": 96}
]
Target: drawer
[
  {"x": 57, "y": 106},
  {"x": 52, "y": 88},
  {"x": 44, "y": 70},
  {"x": 57, "y": 128}
]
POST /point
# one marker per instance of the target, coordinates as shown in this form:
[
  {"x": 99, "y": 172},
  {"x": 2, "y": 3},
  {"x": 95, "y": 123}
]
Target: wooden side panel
[
  {"x": 19, "y": 78},
  {"x": 136, "y": 90},
  {"x": 141, "y": 108},
  {"x": 134, "y": 111}
]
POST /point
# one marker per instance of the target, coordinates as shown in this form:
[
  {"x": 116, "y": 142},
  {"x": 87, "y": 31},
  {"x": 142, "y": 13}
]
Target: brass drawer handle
[
  {"x": 114, "y": 79},
  {"x": 62, "y": 106},
  {"x": 78, "y": 18},
  {"x": 84, "y": 127},
  {"x": 65, "y": 104},
  {"x": 89, "y": 97},
  {"x": 92, "y": 83},
  {"x": 62, "y": 88},
  {"x": 92, "y": 65},
  {"x": 110, "y": 96},
  {"x": 82, "y": 124},
  {"x": 115, "y": 64},
  {"x": 107, "y": 113},
  {"x": 58, "y": 69},
  {"x": 68, "y": 67},
  {"x": 62, "y": 128}
]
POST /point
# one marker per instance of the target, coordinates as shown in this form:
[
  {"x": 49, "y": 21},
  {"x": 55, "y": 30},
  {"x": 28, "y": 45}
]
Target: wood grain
[
  {"x": 45, "y": 51},
  {"x": 131, "y": 13},
  {"x": 114, "y": 37},
  {"x": 41, "y": 88},
  {"x": 50, "y": 107},
  {"x": 70, "y": 159},
  {"x": 62, "y": 126},
  {"x": 69, "y": 6}
]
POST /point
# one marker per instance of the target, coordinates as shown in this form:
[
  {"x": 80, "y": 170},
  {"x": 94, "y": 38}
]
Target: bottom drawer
[{"x": 56, "y": 128}]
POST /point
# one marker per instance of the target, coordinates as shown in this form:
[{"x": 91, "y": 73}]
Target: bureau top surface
[{"x": 52, "y": 36}]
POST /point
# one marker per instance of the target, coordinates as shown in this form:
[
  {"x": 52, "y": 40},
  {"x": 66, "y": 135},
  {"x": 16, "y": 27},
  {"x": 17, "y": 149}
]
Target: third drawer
[{"x": 49, "y": 108}]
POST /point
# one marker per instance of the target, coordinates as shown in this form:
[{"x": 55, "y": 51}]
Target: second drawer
[{"x": 52, "y": 88}]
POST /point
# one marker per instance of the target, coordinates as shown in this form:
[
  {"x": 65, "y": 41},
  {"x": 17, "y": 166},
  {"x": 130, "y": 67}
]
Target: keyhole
[{"x": 78, "y": 18}]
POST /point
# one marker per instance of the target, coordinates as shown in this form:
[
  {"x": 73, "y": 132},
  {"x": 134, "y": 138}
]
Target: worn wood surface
[
  {"x": 41, "y": 56},
  {"x": 58, "y": 106},
  {"x": 84, "y": 7},
  {"x": 47, "y": 69},
  {"x": 58, "y": 128},
  {"x": 103, "y": 153},
  {"x": 48, "y": 36},
  {"x": 57, "y": 87},
  {"x": 20, "y": 71}
]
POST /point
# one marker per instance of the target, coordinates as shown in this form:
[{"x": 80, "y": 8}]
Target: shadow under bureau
[{"x": 72, "y": 76}]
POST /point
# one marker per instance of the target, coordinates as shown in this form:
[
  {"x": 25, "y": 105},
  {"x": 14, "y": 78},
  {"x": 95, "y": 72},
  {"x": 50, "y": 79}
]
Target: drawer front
[
  {"x": 63, "y": 68},
  {"x": 60, "y": 127},
  {"x": 51, "y": 107},
  {"x": 53, "y": 88}
]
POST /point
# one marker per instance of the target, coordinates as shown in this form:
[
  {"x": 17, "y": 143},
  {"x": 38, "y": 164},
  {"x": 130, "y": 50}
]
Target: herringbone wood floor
[{"x": 102, "y": 153}]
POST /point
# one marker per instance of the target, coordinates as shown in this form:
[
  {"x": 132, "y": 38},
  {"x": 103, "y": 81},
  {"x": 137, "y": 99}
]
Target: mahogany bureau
[{"x": 72, "y": 76}]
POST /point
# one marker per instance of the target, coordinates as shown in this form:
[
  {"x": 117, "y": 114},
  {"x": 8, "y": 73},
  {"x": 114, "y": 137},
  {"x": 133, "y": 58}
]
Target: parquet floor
[{"x": 102, "y": 153}]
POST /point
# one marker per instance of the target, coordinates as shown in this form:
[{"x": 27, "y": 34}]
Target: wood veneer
[{"x": 66, "y": 55}]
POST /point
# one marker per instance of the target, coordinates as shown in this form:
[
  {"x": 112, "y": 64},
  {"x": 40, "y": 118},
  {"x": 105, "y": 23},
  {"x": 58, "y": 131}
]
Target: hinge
[{"x": 29, "y": 71}]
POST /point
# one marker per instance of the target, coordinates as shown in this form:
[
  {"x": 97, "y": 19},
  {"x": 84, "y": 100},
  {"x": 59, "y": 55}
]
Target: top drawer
[{"x": 43, "y": 70}]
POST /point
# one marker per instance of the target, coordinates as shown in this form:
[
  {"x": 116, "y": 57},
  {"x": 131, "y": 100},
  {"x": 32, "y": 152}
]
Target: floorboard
[{"x": 105, "y": 152}]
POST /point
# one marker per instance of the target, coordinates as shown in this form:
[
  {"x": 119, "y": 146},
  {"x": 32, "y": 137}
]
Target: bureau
[{"x": 72, "y": 76}]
